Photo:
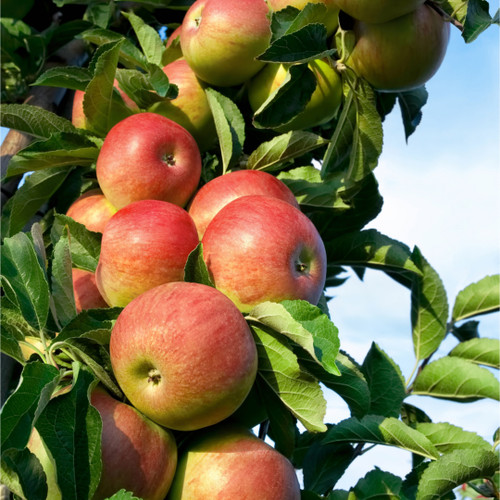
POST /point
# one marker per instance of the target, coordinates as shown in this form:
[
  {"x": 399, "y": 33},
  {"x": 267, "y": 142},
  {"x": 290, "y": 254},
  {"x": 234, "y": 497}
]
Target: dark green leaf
[
  {"x": 379, "y": 484},
  {"x": 482, "y": 351},
  {"x": 195, "y": 269},
  {"x": 291, "y": 19},
  {"x": 411, "y": 104},
  {"x": 100, "y": 14},
  {"x": 75, "y": 78},
  {"x": 466, "y": 331},
  {"x": 478, "y": 19},
  {"x": 13, "y": 329}
]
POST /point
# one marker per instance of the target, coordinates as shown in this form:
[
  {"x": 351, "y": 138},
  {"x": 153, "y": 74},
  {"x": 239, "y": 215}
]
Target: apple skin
[
  {"x": 137, "y": 454},
  {"x": 190, "y": 108},
  {"x": 259, "y": 248},
  {"x": 228, "y": 462},
  {"x": 92, "y": 209},
  {"x": 148, "y": 157},
  {"x": 221, "y": 190},
  {"x": 401, "y": 54},
  {"x": 220, "y": 39},
  {"x": 377, "y": 11},
  {"x": 145, "y": 244},
  {"x": 87, "y": 295},
  {"x": 183, "y": 355},
  {"x": 322, "y": 106}
]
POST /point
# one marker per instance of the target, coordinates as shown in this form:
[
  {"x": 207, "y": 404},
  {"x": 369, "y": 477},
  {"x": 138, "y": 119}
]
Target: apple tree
[{"x": 282, "y": 98}]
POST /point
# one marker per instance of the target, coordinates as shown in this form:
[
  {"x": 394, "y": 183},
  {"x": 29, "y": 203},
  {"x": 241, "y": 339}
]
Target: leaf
[
  {"x": 271, "y": 154},
  {"x": 298, "y": 390},
  {"x": 303, "y": 323},
  {"x": 385, "y": 381},
  {"x": 123, "y": 495},
  {"x": 478, "y": 298},
  {"x": 24, "y": 406},
  {"x": 14, "y": 328},
  {"x": 381, "y": 430},
  {"x": 429, "y": 309},
  {"x": 20, "y": 267},
  {"x": 195, "y": 270},
  {"x": 411, "y": 104},
  {"x": 379, "y": 484},
  {"x": 466, "y": 331},
  {"x": 478, "y": 19},
  {"x": 456, "y": 379},
  {"x": 482, "y": 351},
  {"x": 68, "y": 77},
  {"x": 454, "y": 469}
]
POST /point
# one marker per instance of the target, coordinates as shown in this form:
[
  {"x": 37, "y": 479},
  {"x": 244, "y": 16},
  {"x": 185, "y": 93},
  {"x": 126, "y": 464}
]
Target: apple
[
  {"x": 221, "y": 190},
  {"x": 377, "y": 11},
  {"x": 92, "y": 209},
  {"x": 322, "y": 106},
  {"x": 183, "y": 355},
  {"x": 220, "y": 39},
  {"x": 259, "y": 248},
  {"x": 137, "y": 454},
  {"x": 228, "y": 462},
  {"x": 190, "y": 108},
  {"x": 87, "y": 295},
  {"x": 401, "y": 54},
  {"x": 145, "y": 244},
  {"x": 148, "y": 157},
  {"x": 173, "y": 46}
]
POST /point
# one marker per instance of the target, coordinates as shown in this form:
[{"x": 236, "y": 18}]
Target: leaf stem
[{"x": 446, "y": 16}]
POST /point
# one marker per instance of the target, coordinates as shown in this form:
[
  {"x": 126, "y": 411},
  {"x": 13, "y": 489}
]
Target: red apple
[
  {"x": 322, "y": 106},
  {"x": 148, "y": 157},
  {"x": 229, "y": 462},
  {"x": 401, "y": 54},
  {"x": 377, "y": 11},
  {"x": 221, "y": 39},
  {"x": 259, "y": 248},
  {"x": 183, "y": 355},
  {"x": 92, "y": 209},
  {"x": 217, "y": 193},
  {"x": 145, "y": 244},
  {"x": 190, "y": 108},
  {"x": 137, "y": 454},
  {"x": 87, "y": 295}
]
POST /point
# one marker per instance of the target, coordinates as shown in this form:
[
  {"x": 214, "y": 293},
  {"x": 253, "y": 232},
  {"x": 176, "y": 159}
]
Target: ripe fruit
[
  {"x": 221, "y": 190},
  {"x": 228, "y": 462},
  {"x": 92, "y": 209},
  {"x": 148, "y": 157},
  {"x": 377, "y": 11},
  {"x": 87, "y": 295},
  {"x": 324, "y": 101},
  {"x": 259, "y": 248},
  {"x": 145, "y": 244},
  {"x": 220, "y": 39},
  {"x": 190, "y": 108},
  {"x": 401, "y": 54},
  {"x": 183, "y": 355},
  {"x": 137, "y": 454}
]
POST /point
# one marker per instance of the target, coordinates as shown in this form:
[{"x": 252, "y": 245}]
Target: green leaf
[
  {"x": 100, "y": 14},
  {"x": 24, "y": 406},
  {"x": 385, "y": 381},
  {"x": 454, "y": 469},
  {"x": 195, "y": 270},
  {"x": 456, "y": 379},
  {"x": 411, "y": 104},
  {"x": 20, "y": 267},
  {"x": 482, "y": 351},
  {"x": 379, "y": 484},
  {"x": 230, "y": 126},
  {"x": 466, "y": 331},
  {"x": 299, "y": 391},
  {"x": 71, "y": 429},
  {"x": 429, "y": 308},
  {"x": 478, "y": 298},
  {"x": 13, "y": 329},
  {"x": 123, "y": 495},
  {"x": 68, "y": 77},
  {"x": 380, "y": 430},
  {"x": 303, "y": 323},
  {"x": 478, "y": 19}
]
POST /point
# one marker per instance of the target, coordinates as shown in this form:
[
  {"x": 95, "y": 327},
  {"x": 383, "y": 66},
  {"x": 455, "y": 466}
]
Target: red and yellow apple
[
  {"x": 228, "y": 462},
  {"x": 148, "y": 157},
  {"x": 183, "y": 355},
  {"x": 145, "y": 244},
  {"x": 377, "y": 11},
  {"x": 92, "y": 209},
  {"x": 87, "y": 295},
  {"x": 259, "y": 248},
  {"x": 220, "y": 39}
]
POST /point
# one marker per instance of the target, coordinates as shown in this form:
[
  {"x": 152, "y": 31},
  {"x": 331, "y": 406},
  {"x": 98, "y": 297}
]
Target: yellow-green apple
[
  {"x": 228, "y": 462},
  {"x": 92, "y": 209},
  {"x": 145, "y": 244},
  {"x": 148, "y": 157},
  {"x": 190, "y": 108},
  {"x": 220, "y": 39},
  {"x": 183, "y": 355},
  {"x": 401, "y": 54},
  {"x": 331, "y": 19},
  {"x": 322, "y": 106},
  {"x": 137, "y": 454},
  {"x": 87, "y": 295},
  {"x": 259, "y": 248},
  {"x": 173, "y": 46},
  {"x": 221, "y": 190},
  {"x": 377, "y": 11}
]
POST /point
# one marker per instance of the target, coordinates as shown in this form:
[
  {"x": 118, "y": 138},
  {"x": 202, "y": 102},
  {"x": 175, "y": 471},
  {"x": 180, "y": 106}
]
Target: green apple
[{"x": 377, "y": 11}]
